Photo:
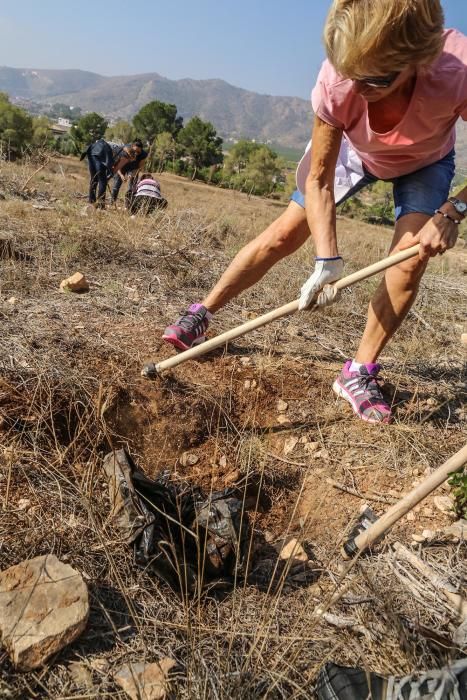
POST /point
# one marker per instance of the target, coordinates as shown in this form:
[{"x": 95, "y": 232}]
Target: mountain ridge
[{"x": 234, "y": 111}]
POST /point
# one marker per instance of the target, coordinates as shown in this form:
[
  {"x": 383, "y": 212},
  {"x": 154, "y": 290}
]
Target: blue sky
[{"x": 269, "y": 46}]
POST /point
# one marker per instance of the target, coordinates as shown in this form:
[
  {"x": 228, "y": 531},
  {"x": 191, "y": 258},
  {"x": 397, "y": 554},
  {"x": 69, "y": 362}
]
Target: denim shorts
[{"x": 422, "y": 191}]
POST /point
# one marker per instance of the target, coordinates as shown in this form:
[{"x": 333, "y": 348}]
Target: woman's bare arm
[{"x": 319, "y": 200}]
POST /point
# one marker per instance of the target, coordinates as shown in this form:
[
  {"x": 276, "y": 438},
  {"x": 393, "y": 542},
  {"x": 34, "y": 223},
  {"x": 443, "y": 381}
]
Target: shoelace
[
  {"x": 191, "y": 320},
  {"x": 370, "y": 383}
]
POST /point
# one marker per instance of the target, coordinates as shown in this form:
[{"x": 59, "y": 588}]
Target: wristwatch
[{"x": 459, "y": 205}]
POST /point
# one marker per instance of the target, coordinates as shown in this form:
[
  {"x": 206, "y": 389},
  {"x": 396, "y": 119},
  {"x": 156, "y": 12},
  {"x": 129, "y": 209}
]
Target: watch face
[{"x": 459, "y": 206}]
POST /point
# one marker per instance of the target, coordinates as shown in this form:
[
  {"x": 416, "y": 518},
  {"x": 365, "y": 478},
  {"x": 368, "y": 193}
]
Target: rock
[
  {"x": 444, "y": 504},
  {"x": 311, "y": 447},
  {"x": 44, "y": 607},
  {"x": 247, "y": 384},
  {"x": 282, "y": 406},
  {"x": 283, "y": 420},
  {"x": 456, "y": 532},
  {"x": 290, "y": 444},
  {"x": 245, "y": 361},
  {"x": 12, "y": 301},
  {"x": 76, "y": 283},
  {"x": 222, "y": 461},
  {"x": 460, "y": 635},
  {"x": 293, "y": 550},
  {"x": 231, "y": 477},
  {"x": 24, "y": 504},
  {"x": 410, "y": 516},
  {"x": 80, "y": 674},
  {"x": 464, "y": 338},
  {"x": 418, "y": 538},
  {"x": 427, "y": 535},
  {"x": 188, "y": 459},
  {"x": 142, "y": 681}
]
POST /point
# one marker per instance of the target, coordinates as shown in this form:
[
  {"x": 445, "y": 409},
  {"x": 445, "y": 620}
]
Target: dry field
[{"x": 70, "y": 390}]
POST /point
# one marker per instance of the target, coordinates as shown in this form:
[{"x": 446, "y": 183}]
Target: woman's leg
[
  {"x": 102, "y": 186},
  {"x": 283, "y": 237},
  {"x": 396, "y": 293},
  {"x": 92, "y": 179}
]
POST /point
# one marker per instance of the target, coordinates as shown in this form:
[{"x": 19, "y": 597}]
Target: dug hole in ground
[{"x": 260, "y": 419}]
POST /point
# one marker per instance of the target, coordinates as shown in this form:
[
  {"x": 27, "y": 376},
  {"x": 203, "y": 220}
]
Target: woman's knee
[{"x": 284, "y": 236}]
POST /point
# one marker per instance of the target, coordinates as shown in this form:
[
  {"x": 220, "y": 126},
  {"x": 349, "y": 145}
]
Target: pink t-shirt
[{"x": 425, "y": 134}]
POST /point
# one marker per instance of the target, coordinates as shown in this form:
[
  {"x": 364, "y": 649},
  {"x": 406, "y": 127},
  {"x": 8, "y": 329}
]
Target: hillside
[
  {"x": 258, "y": 418},
  {"x": 234, "y": 112}
]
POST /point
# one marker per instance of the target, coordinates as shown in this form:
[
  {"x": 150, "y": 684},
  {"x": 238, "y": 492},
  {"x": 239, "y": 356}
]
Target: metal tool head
[{"x": 150, "y": 371}]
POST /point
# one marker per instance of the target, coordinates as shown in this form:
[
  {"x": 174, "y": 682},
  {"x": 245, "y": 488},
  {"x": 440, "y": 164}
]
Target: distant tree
[
  {"x": 201, "y": 143},
  {"x": 164, "y": 149},
  {"x": 121, "y": 131},
  {"x": 263, "y": 170},
  {"x": 155, "y": 118},
  {"x": 239, "y": 156},
  {"x": 88, "y": 129},
  {"x": 59, "y": 109},
  {"x": 42, "y": 136},
  {"x": 15, "y": 128}
]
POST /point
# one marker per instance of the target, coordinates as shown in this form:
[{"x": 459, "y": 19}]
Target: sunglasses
[{"x": 384, "y": 81}]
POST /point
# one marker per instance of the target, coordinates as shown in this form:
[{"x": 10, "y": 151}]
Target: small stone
[
  {"x": 418, "y": 538},
  {"x": 24, "y": 504},
  {"x": 188, "y": 459},
  {"x": 247, "y": 384},
  {"x": 44, "y": 607},
  {"x": 460, "y": 635},
  {"x": 231, "y": 477},
  {"x": 76, "y": 283},
  {"x": 222, "y": 461},
  {"x": 410, "y": 516},
  {"x": 431, "y": 401},
  {"x": 464, "y": 338},
  {"x": 245, "y": 361},
  {"x": 311, "y": 447},
  {"x": 12, "y": 300},
  {"x": 283, "y": 420},
  {"x": 456, "y": 532},
  {"x": 428, "y": 534},
  {"x": 444, "y": 504},
  {"x": 142, "y": 681},
  {"x": 268, "y": 536},
  {"x": 80, "y": 674},
  {"x": 290, "y": 444},
  {"x": 282, "y": 406},
  {"x": 293, "y": 550},
  {"x": 100, "y": 664}
]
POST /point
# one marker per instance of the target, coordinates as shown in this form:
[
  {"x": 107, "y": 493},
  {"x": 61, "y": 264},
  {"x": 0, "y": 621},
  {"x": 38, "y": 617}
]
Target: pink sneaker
[
  {"x": 362, "y": 391},
  {"x": 189, "y": 330}
]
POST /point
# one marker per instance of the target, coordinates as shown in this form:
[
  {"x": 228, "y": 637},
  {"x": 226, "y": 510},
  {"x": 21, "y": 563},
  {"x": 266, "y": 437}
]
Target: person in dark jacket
[
  {"x": 130, "y": 172},
  {"x": 105, "y": 159}
]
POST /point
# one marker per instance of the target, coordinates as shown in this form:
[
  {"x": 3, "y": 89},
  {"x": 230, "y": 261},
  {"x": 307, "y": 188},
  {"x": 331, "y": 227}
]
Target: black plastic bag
[{"x": 187, "y": 539}]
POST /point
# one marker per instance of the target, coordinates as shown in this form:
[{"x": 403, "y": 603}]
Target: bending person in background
[
  {"x": 386, "y": 102},
  {"x": 147, "y": 196},
  {"x": 129, "y": 171},
  {"x": 106, "y": 159}
]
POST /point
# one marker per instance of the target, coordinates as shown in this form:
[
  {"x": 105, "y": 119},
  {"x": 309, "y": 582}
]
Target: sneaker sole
[
  {"x": 177, "y": 343},
  {"x": 344, "y": 394}
]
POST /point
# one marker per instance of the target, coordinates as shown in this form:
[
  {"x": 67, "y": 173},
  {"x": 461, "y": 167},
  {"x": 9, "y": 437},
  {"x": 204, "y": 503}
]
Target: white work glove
[{"x": 327, "y": 270}]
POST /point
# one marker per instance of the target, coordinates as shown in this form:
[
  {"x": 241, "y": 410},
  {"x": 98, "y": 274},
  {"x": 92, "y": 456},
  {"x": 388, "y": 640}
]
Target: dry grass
[{"x": 70, "y": 390}]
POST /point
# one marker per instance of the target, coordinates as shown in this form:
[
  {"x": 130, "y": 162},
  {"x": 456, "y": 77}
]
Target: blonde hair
[{"x": 376, "y": 37}]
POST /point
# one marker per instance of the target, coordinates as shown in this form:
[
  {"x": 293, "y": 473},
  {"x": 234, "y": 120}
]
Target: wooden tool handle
[
  {"x": 399, "y": 509},
  {"x": 153, "y": 369}
]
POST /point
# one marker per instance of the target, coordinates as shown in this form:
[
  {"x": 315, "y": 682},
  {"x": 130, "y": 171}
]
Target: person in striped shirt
[{"x": 147, "y": 196}]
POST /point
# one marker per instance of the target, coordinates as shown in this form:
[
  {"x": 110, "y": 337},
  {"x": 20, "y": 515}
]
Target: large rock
[
  {"x": 43, "y": 607},
  {"x": 143, "y": 681},
  {"x": 76, "y": 283}
]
